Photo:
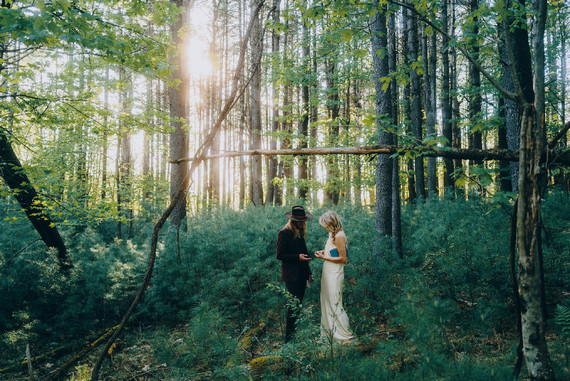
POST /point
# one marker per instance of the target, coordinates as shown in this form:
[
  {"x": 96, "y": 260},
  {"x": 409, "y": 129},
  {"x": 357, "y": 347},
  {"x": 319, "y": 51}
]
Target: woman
[
  {"x": 334, "y": 320},
  {"x": 293, "y": 254}
]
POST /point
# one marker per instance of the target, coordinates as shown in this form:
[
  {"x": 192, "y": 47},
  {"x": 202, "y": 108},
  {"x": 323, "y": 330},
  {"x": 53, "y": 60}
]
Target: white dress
[{"x": 334, "y": 320}]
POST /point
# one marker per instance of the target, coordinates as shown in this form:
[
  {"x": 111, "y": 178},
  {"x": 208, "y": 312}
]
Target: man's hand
[{"x": 304, "y": 257}]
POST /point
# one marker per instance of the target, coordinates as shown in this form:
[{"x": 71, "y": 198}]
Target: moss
[
  {"x": 260, "y": 365},
  {"x": 249, "y": 340}
]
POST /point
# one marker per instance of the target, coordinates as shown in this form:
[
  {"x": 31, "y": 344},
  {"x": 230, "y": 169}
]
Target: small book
[{"x": 334, "y": 253}]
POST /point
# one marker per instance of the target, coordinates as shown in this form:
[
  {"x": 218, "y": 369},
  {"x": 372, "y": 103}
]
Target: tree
[
  {"x": 475, "y": 100},
  {"x": 305, "y": 109},
  {"x": 255, "y": 110},
  {"x": 430, "y": 85},
  {"x": 378, "y": 28},
  {"x": 178, "y": 97},
  {"x": 272, "y": 190},
  {"x": 445, "y": 92}
]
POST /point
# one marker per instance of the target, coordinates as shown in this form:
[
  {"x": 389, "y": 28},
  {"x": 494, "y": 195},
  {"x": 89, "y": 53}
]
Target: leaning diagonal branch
[
  {"x": 200, "y": 155},
  {"x": 559, "y": 136}
]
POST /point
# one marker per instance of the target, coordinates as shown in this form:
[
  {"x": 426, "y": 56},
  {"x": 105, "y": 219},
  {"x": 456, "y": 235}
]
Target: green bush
[{"x": 443, "y": 312}]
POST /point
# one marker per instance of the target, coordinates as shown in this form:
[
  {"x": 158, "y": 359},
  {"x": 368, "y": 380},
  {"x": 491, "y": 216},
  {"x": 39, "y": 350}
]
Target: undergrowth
[{"x": 216, "y": 310}]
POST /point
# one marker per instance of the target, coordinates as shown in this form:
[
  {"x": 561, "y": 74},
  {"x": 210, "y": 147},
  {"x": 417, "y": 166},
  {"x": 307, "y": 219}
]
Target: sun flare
[{"x": 198, "y": 57}]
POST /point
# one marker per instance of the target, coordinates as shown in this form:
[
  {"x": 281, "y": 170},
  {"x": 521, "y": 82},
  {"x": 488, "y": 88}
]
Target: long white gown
[{"x": 334, "y": 320}]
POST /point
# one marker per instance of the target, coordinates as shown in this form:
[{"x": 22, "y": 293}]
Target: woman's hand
[{"x": 320, "y": 254}]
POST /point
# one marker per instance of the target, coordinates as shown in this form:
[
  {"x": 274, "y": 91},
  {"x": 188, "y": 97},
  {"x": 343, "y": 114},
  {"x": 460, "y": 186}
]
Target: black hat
[{"x": 298, "y": 213}]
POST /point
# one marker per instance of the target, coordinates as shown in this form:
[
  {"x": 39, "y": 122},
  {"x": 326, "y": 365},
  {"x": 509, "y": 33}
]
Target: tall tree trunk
[
  {"x": 213, "y": 173},
  {"x": 539, "y": 24},
  {"x": 314, "y": 118},
  {"x": 81, "y": 173},
  {"x": 357, "y": 99},
  {"x": 504, "y": 165},
  {"x": 516, "y": 57},
  {"x": 430, "y": 59},
  {"x": 454, "y": 78},
  {"x": 446, "y": 98},
  {"x": 286, "y": 163},
  {"x": 304, "y": 122},
  {"x": 178, "y": 97},
  {"x": 410, "y": 173},
  {"x": 563, "y": 71},
  {"x": 146, "y": 171},
  {"x": 475, "y": 99},
  {"x": 383, "y": 210},
  {"x": 396, "y": 202},
  {"x": 256, "y": 52},
  {"x": 272, "y": 162},
  {"x": 105, "y": 137},
  {"x": 332, "y": 188},
  {"x": 124, "y": 175},
  {"x": 416, "y": 99}
]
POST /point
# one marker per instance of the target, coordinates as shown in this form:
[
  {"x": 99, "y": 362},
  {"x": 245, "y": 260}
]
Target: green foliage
[
  {"x": 444, "y": 312},
  {"x": 204, "y": 346},
  {"x": 460, "y": 261},
  {"x": 563, "y": 320}
]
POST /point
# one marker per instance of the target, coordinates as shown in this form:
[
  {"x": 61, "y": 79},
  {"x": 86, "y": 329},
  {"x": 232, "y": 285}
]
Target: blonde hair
[
  {"x": 291, "y": 224},
  {"x": 331, "y": 221}
]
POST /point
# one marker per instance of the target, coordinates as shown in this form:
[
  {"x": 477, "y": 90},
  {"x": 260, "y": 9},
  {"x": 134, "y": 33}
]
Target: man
[{"x": 293, "y": 254}]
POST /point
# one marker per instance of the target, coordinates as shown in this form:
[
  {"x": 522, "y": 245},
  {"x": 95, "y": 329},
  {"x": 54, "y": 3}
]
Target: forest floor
[{"x": 133, "y": 358}]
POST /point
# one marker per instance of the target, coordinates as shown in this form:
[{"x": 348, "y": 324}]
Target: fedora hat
[{"x": 298, "y": 213}]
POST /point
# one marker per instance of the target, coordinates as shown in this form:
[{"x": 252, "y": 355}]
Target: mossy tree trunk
[{"x": 528, "y": 246}]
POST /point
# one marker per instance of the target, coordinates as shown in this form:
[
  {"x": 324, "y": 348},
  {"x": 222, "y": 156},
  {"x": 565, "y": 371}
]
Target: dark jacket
[{"x": 288, "y": 250}]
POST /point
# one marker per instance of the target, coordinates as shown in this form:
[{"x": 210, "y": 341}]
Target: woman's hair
[
  {"x": 331, "y": 221},
  {"x": 292, "y": 225}
]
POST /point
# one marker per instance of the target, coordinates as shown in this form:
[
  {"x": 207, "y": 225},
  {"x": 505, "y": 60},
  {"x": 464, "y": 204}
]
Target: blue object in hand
[{"x": 334, "y": 253}]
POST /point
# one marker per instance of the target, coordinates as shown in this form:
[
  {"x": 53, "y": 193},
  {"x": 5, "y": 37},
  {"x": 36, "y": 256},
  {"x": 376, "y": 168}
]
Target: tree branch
[
  {"x": 559, "y": 136},
  {"x": 562, "y": 156}
]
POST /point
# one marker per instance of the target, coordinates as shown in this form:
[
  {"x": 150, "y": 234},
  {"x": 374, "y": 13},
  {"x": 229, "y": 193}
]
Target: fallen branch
[
  {"x": 560, "y": 156},
  {"x": 88, "y": 348},
  {"x": 61, "y": 350}
]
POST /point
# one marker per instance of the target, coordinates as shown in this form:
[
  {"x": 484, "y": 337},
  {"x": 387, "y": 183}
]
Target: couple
[{"x": 293, "y": 254}]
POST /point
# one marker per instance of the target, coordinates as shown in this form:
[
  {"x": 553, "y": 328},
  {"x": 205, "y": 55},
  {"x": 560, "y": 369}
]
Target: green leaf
[{"x": 346, "y": 34}]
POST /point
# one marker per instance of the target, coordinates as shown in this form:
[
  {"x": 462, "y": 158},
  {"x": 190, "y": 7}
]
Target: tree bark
[
  {"x": 178, "y": 98},
  {"x": 430, "y": 76},
  {"x": 256, "y": 53},
  {"x": 416, "y": 100},
  {"x": 272, "y": 167},
  {"x": 475, "y": 100},
  {"x": 383, "y": 210},
  {"x": 332, "y": 188},
  {"x": 125, "y": 175},
  {"x": 304, "y": 122},
  {"x": 446, "y": 99},
  {"x": 396, "y": 201},
  {"x": 528, "y": 246},
  {"x": 504, "y": 165}
]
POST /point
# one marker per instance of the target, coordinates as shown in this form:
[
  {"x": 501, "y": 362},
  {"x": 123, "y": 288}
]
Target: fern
[{"x": 562, "y": 319}]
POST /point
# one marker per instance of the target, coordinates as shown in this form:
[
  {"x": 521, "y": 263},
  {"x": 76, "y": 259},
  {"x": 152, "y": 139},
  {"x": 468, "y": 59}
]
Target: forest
[{"x": 149, "y": 150}]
